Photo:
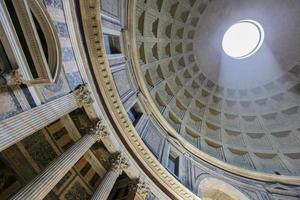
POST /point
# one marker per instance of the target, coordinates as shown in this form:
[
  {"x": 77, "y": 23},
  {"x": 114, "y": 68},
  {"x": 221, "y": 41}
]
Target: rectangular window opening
[
  {"x": 135, "y": 114},
  {"x": 173, "y": 164},
  {"x": 112, "y": 44}
]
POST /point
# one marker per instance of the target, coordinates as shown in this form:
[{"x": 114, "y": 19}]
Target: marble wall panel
[
  {"x": 153, "y": 139},
  {"x": 9, "y": 104},
  {"x": 53, "y": 91}
]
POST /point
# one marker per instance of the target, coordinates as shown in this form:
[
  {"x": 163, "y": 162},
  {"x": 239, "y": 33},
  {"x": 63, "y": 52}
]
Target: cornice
[{"x": 91, "y": 21}]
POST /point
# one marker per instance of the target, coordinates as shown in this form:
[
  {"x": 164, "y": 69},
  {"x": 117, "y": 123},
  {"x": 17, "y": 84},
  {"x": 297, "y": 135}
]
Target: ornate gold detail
[
  {"x": 83, "y": 96},
  {"x": 99, "y": 131},
  {"x": 118, "y": 163}
]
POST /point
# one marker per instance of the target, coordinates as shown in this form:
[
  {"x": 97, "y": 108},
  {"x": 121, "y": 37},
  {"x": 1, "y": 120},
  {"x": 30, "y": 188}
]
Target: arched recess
[
  {"x": 215, "y": 189},
  {"x": 30, "y": 41}
]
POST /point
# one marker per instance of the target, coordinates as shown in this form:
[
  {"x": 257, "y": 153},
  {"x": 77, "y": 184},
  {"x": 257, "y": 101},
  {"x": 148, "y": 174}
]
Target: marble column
[
  {"x": 118, "y": 164},
  {"x": 39, "y": 187},
  {"x": 20, "y": 126}
]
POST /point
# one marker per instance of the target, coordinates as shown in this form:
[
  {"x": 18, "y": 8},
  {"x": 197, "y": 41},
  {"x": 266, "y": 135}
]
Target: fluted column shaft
[
  {"x": 118, "y": 164},
  {"x": 39, "y": 187},
  {"x": 104, "y": 189},
  {"x": 20, "y": 126}
]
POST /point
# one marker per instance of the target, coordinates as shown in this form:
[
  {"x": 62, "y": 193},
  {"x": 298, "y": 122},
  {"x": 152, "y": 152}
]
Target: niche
[
  {"x": 112, "y": 44},
  {"x": 173, "y": 163},
  {"x": 135, "y": 113}
]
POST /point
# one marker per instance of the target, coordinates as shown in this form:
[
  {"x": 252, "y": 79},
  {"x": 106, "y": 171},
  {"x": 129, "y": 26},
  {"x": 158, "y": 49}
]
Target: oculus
[{"x": 243, "y": 39}]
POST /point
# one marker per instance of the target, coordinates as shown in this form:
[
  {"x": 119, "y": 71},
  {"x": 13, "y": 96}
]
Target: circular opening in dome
[{"x": 243, "y": 39}]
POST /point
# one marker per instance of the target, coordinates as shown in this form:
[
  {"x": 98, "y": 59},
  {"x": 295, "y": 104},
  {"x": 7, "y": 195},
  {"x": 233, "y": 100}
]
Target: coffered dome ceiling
[{"x": 243, "y": 112}]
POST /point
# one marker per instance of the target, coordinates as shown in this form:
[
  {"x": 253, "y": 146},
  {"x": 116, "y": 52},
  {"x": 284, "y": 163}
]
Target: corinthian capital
[
  {"x": 140, "y": 187},
  {"x": 99, "y": 131},
  {"x": 143, "y": 189},
  {"x": 14, "y": 78},
  {"x": 118, "y": 163},
  {"x": 83, "y": 96}
]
